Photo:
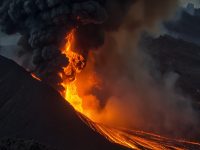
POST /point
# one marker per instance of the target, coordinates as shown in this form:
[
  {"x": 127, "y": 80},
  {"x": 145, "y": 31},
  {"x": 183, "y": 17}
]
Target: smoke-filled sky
[{"x": 44, "y": 25}]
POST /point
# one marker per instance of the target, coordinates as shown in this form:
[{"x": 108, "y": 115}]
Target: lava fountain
[{"x": 76, "y": 65}]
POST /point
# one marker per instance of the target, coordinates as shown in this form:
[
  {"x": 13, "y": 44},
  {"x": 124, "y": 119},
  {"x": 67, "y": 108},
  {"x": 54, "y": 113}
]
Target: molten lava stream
[
  {"x": 35, "y": 77},
  {"x": 128, "y": 138},
  {"x": 76, "y": 64}
]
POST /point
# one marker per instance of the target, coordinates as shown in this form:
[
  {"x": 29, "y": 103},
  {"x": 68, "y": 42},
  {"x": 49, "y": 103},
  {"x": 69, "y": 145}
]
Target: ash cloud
[
  {"x": 129, "y": 89},
  {"x": 44, "y": 24}
]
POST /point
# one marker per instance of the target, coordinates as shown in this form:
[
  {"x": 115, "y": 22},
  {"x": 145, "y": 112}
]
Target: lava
[
  {"x": 126, "y": 137},
  {"x": 76, "y": 65},
  {"x": 139, "y": 140},
  {"x": 35, "y": 77}
]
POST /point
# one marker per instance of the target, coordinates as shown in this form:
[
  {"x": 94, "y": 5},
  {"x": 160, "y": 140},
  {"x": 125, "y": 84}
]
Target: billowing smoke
[
  {"x": 44, "y": 24},
  {"x": 128, "y": 89},
  {"x": 134, "y": 94}
]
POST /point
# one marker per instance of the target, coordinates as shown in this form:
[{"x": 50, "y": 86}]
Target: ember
[{"x": 35, "y": 77}]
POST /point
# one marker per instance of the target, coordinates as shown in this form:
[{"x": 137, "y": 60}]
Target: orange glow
[
  {"x": 35, "y": 77},
  {"x": 75, "y": 66},
  {"x": 138, "y": 140},
  {"x": 78, "y": 83}
]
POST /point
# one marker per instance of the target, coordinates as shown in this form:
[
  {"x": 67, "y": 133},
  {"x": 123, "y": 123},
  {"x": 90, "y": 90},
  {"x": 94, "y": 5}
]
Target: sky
[{"x": 195, "y": 2}]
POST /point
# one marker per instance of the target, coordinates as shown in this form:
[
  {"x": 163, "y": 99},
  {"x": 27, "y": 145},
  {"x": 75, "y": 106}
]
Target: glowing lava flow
[
  {"x": 76, "y": 64},
  {"x": 138, "y": 140},
  {"x": 35, "y": 77},
  {"x": 128, "y": 138}
]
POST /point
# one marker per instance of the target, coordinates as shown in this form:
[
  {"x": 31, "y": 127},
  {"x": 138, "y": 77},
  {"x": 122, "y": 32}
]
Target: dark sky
[{"x": 195, "y": 2}]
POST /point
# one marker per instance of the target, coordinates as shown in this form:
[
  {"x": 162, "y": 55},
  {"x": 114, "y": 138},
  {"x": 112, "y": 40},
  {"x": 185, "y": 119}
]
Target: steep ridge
[{"x": 31, "y": 110}]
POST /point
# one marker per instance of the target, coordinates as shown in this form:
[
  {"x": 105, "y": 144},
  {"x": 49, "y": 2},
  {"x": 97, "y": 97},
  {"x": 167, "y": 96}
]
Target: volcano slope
[{"x": 31, "y": 110}]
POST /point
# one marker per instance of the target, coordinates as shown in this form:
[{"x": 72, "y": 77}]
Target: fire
[{"x": 75, "y": 66}]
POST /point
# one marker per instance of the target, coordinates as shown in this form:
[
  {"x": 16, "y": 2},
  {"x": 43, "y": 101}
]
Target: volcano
[
  {"x": 32, "y": 110},
  {"x": 83, "y": 81}
]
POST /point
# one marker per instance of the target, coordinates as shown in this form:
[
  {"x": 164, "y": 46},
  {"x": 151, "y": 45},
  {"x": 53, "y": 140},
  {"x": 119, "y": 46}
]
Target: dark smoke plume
[
  {"x": 116, "y": 25},
  {"x": 44, "y": 24}
]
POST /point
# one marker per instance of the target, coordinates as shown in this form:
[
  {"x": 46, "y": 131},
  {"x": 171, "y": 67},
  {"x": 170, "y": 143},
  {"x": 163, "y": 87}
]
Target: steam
[
  {"x": 129, "y": 91},
  {"x": 137, "y": 96}
]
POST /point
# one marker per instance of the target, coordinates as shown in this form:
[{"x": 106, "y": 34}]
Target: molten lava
[
  {"x": 76, "y": 65},
  {"x": 35, "y": 77},
  {"x": 126, "y": 137}
]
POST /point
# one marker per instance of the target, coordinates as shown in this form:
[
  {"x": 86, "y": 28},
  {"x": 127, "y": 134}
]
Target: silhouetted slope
[
  {"x": 30, "y": 109},
  {"x": 14, "y": 144}
]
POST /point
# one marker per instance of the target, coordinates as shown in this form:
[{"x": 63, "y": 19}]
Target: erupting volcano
[
  {"x": 96, "y": 84},
  {"x": 126, "y": 137}
]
